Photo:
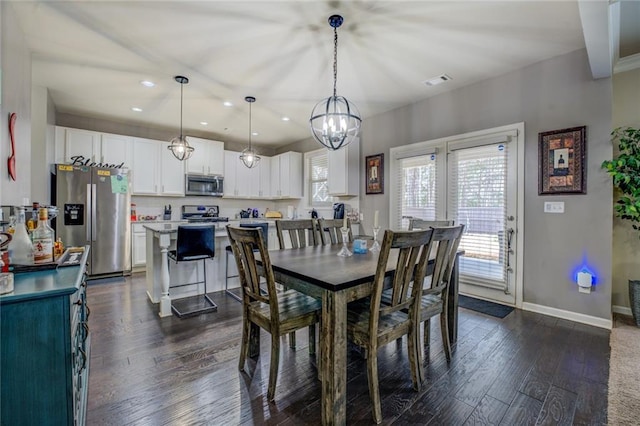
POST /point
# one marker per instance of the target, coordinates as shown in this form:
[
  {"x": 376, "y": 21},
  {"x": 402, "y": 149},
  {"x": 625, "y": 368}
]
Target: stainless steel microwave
[{"x": 212, "y": 186}]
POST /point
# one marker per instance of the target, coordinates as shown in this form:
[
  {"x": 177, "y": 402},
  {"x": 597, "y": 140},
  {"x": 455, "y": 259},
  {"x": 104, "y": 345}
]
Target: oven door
[{"x": 204, "y": 185}]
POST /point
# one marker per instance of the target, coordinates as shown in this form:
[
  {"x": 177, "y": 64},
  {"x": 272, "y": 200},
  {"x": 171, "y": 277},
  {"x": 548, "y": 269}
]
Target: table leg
[
  {"x": 165, "y": 301},
  {"x": 333, "y": 349},
  {"x": 452, "y": 302}
]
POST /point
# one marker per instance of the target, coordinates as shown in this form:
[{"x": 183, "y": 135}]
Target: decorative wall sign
[
  {"x": 561, "y": 161},
  {"x": 375, "y": 174}
]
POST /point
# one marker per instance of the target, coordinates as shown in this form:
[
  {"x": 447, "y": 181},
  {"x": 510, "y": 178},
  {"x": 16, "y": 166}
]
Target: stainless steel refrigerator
[{"x": 94, "y": 209}]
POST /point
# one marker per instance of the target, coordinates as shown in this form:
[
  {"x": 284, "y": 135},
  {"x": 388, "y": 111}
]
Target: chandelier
[
  {"x": 335, "y": 122},
  {"x": 249, "y": 157},
  {"x": 179, "y": 146}
]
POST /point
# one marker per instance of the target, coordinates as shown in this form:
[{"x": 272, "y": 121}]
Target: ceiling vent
[{"x": 437, "y": 80}]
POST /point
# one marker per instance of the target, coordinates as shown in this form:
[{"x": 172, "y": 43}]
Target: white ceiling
[{"x": 92, "y": 56}]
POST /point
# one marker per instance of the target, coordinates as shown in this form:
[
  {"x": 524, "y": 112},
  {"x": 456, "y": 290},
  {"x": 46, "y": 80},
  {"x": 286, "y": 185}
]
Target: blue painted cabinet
[{"x": 45, "y": 342}]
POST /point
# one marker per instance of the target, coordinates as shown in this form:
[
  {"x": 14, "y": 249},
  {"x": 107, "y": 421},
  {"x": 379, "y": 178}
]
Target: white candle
[
  {"x": 375, "y": 219},
  {"x": 344, "y": 222}
]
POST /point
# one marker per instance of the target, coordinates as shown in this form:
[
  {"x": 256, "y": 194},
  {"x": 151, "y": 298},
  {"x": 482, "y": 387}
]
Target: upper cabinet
[
  {"x": 155, "y": 170},
  {"x": 242, "y": 182},
  {"x": 207, "y": 157},
  {"x": 344, "y": 170},
  {"x": 86, "y": 147},
  {"x": 286, "y": 175}
]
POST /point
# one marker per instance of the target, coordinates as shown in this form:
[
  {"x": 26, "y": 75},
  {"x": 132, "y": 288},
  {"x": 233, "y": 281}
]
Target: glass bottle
[
  {"x": 20, "y": 247},
  {"x": 42, "y": 238}
]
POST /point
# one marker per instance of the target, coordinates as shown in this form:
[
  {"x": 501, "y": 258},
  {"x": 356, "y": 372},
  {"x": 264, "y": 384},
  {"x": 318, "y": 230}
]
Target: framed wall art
[
  {"x": 561, "y": 161},
  {"x": 375, "y": 174}
]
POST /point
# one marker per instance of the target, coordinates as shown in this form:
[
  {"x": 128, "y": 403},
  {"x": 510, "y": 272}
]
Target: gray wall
[
  {"x": 626, "y": 241},
  {"x": 16, "y": 97},
  {"x": 553, "y": 94}
]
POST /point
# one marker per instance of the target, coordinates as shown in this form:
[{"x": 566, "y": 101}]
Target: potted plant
[{"x": 625, "y": 171}]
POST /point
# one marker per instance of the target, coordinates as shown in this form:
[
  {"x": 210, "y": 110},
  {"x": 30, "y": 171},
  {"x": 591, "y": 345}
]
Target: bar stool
[
  {"x": 195, "y": 242},
  {"x": 265, "y": 232}
]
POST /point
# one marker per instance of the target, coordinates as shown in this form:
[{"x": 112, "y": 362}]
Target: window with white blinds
[
  {"x": 416, "y": 189},
  {"x": 318, "y": 171},
  {"x": 478, "y": 199}
]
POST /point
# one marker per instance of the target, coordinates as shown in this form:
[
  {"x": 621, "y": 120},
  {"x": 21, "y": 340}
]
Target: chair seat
[
  {"x": 173, "y": 256},
  {"x": 389, "y": 325},
  {"x": 292, "y": 306}
]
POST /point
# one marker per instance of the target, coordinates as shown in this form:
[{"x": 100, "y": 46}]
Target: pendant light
[
  {"x": 249, "y": 157},
  {"x": 335, "y": 122},
  {"x": 179, "y": 145}
]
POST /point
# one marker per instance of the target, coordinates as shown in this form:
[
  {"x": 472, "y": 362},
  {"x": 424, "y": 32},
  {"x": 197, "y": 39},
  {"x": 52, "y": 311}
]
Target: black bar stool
[
  {"x": 195, "y": 242},
  {"x": 265, "y": 232}
]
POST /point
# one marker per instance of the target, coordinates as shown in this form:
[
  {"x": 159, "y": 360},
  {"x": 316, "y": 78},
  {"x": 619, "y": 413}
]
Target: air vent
[{"x": 437, "y": 80}]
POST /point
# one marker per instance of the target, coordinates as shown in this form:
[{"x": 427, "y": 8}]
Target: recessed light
[
  {"x": 204, "y": 123},
  {"x": 136, "y": 109},
  {"x": 437, "y": 80},
  {"x": 285, "y": 119},
  {"x": 147, "y": 83},
  {"x": 255, "y": 133},
  {"x": 227, "y": 103}
]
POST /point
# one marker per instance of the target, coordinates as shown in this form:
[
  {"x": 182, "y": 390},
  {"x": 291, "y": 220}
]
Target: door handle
[
  {"x": 87, "y": 212},
  {"x": 94, "y": 212}
]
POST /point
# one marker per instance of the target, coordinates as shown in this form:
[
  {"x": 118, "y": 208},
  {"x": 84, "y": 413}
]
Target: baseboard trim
[
  {"x": 622, "y": 310},
  {"x": 568, "y": 315}
]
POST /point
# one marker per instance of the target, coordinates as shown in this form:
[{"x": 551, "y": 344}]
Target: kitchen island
[{"x": 161, "y": 237}]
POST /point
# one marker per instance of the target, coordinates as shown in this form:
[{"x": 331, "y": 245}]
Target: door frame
[{"x": 440, "y": 146}]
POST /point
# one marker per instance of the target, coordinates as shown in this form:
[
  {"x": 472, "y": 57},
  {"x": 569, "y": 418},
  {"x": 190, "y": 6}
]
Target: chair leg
[
  {"x": 244, "y": 346},
  {"x": 374, "y": 391},
  {"x": 292, "y": 340},
  {"x": 444, "y": 328},
  {"x": 413, "y": 348},
  {"x": 226, "y": 279},
  {"x": 312, "y": 339},
  {"x": 427, "y": 333},
  {"x": 273, "y": 369}
]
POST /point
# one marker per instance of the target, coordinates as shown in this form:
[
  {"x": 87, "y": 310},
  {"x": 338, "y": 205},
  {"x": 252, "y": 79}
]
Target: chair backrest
[
  {"x": 243, "y": 243},
  {"x": 302, "y": 232},
  {"x": 262, "y": 225},
  {"x": 416, "y": 223},
  {"x": 413, "y": 249},
  {"x": 330, "y": 231},
  {"x": 447, "y": 240},
  {"x": 195, "y": 241}
]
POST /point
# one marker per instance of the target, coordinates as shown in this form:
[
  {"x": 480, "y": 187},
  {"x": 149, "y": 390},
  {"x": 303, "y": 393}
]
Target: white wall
[{"x": 16, "y": 97}]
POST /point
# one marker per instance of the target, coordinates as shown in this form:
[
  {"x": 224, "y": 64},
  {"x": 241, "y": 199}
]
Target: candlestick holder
[
  {"x": 375, "y": 247},
  {"x": 344, "y": 251}
]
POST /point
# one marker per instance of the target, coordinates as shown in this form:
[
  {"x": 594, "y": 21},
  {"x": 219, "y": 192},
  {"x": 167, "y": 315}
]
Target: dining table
[{"x": 319, "y": 272}]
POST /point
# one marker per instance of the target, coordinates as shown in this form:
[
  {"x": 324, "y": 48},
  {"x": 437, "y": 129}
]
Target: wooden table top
[{"x": 321, "y": 266}]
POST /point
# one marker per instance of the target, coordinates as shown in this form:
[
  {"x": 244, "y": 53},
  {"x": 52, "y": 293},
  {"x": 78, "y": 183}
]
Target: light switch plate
[{"x": 554, "y": 206}]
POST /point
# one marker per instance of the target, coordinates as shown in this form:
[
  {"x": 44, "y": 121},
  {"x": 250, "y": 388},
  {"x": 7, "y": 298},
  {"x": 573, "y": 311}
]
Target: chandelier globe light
[
  {"x": 179, "y": 146},
  {"x": 335, "y": 122},
  {"x": 249, "y": 157}
]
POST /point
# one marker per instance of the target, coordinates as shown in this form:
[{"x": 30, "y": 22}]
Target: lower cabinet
[
  {"x": 138, "y": 245},
  {"x": 45, "y": 348}
]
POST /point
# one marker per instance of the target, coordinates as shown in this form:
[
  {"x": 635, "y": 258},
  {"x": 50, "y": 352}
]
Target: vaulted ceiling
[{"x": 92, "y": 55}]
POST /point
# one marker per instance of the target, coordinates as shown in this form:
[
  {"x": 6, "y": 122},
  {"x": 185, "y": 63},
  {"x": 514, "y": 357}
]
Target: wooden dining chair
[
  {"x": 278, "y": 313},
  {"x": 415, "y": 223},
  {"x": 372, "y": 324},
  {"x": 434, "y": 294},
  {"x": 301, "y": 232},
  {"x": 330, "y": 231}
]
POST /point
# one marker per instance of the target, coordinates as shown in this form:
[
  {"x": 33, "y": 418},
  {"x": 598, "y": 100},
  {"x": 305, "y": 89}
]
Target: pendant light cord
[
  {"x": 335, "y": 59},
  {"x": 181, "y": 96},
  {"x": 250, "y": 125}
]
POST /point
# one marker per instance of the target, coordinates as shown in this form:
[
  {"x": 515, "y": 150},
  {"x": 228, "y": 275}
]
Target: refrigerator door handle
[
  {"x": 94, "y": 221},
  {"x": 88, "y": 212}
]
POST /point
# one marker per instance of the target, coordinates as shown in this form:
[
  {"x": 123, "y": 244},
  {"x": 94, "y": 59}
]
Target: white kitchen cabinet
[
  {"x": 138, "y": 245},
  {"x": 242, "y": 182},
  {"x": 344, "y": 170},
  {"x": 89, "y": 148},
  {"x": 286, "y": 175},
  {"x": 155, "y": 171},
  {"x": 207, "y": 158}
]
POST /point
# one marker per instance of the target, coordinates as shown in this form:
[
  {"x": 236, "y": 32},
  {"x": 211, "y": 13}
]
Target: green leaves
[{"x": 625, "y": 171}]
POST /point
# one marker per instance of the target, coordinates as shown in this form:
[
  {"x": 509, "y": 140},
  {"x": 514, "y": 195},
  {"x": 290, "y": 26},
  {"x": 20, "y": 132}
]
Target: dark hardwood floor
[{"x": 523, "y": 369}]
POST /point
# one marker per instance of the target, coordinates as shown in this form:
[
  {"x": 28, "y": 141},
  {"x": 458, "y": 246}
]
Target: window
[
  {"x": 317, "y": 172},
  {"x": 417, "y": 188}
]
